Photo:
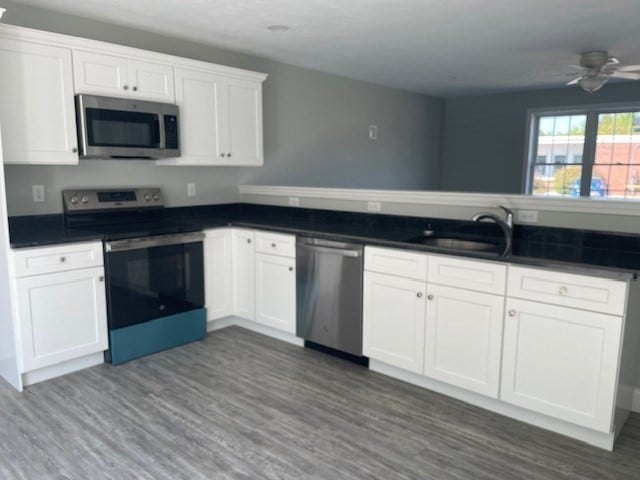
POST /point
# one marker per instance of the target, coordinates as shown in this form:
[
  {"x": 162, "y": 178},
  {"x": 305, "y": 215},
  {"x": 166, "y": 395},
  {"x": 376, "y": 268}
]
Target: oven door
[{"x": 153, "y": 277}]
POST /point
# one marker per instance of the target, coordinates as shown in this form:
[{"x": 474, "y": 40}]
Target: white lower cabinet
[
  {"x": 218, "y": 273},
  {"x": 62, "y": 316},
  {"x": 60, "y": 308},
  {"x": 561, "y": 362},
  {"x": 394, "y": 320},
  {"x": 242, "y": 246},
  {"x": 464, "y": 338},
  {"x": 276, "y": 292},
  {"x": 554, "y": 344},
  {"x": 265, "y": 283}
]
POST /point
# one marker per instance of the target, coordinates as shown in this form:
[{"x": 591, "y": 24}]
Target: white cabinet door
[
  {"x": 464, "y": 338},
  {"x": 276, "y": 292},
  {"x": 561, "y": 362},
  {"x": 220, "y": 119},
  {"x": 218, "y": 273},
  {"x": 151, "y": 81},
  {"x": 242, "y": 120},
  {"x": 101, "y": 74},
  {"x": 198, "y": 97},
  {"x": 37, "y": 110},
  {"x": 394, "y": 320},
  {"x": 243, "y": 273},
  {"x": 61, "y": 316}
]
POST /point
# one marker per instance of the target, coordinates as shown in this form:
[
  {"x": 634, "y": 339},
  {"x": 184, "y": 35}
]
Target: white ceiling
[{"x": 438, "y": 47}]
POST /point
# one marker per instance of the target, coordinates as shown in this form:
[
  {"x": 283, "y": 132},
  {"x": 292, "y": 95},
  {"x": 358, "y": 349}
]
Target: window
[{"x": 595, "y": 152}]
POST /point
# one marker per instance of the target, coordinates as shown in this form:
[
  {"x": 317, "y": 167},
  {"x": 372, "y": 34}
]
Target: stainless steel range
[{"x": 154, "y": 269}]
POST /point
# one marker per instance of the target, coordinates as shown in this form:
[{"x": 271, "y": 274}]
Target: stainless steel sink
[{"x": 454, "y": 243}]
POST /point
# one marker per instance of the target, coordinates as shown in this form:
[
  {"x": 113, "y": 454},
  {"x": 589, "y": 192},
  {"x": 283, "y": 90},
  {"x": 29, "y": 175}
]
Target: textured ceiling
[{"x": 438, "y": 47}]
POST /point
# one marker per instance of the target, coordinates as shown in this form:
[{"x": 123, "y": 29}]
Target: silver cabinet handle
[
  {"x": 222, "y": 155},
  {"x": 563, "y": 291},
  {"x": 419, "y": 294},
  {"x": 63, "y": 259},
  {"x": 135, "y": 89},
  {"x": 430, "y": 297},
  {"x": 74, "y": 150},
  {"x": 101, "y": 278},
  {"x": 273, "y": 245},
  {"x": 248, "y": 240},
  {"x": 512, "y": 313},
  {"x": 228, "y": 154},
  {"x": 291, "y": 269},
  {"x": 125, "y": 87}
]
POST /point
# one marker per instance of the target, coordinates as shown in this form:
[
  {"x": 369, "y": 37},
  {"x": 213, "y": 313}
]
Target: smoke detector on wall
[{"x": 597, "y": 67}]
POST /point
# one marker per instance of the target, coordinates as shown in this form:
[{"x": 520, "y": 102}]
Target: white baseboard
[
  {"x": 635, "y": 407},
  {"x": 256, "y": 327},
  {"x": 59, "y": 369}
]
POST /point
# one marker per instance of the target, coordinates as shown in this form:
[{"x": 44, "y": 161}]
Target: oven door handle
[{"x": 155, "y": 241}]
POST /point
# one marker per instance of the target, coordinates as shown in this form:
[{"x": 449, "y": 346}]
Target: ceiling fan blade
[
  {"x": 627, "y": 75},
  {"x": 574, "y": 81},
  {"x": 628, "y": 68}
]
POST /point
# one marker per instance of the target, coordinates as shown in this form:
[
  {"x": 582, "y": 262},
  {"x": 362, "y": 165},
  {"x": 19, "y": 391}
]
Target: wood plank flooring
[{"x": 239, "y": 405}]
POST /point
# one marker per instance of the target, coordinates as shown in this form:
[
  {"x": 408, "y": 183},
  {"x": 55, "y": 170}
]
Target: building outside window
[{"x": 595, "y": 152}]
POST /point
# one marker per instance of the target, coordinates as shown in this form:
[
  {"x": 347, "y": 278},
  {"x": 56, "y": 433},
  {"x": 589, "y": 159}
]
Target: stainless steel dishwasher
[{"x": 329, "y": 294}]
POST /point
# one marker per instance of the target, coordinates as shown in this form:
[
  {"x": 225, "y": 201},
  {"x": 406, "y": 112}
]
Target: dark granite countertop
[{"x": 571, "y": 250}]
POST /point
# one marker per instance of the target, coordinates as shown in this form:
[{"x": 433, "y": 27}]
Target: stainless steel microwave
[{"x": 125, "y": 128}]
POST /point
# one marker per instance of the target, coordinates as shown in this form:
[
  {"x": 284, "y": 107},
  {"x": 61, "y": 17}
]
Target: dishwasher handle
[{"x": 343, "y": 252}]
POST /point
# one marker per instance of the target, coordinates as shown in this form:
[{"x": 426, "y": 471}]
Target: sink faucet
[{"x": 506, "y": 226}]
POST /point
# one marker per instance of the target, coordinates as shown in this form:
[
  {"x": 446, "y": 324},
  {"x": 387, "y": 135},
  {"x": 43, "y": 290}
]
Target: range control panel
[{"x": 85, "y": 201}]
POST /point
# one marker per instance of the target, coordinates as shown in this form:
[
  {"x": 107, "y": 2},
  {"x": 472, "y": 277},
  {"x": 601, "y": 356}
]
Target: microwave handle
[
  {"x": 163, "y": 140},
  {"x": 81, "y": 118}
]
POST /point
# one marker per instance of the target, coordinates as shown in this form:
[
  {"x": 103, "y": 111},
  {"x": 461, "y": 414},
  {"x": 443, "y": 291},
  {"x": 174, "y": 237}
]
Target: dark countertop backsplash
[{"x": 586, "y": 247}]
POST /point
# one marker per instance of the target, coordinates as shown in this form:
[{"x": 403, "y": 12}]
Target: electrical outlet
[
  {"x": 191, "y": 189},
  {"x": 527, "y": 216},
  {"x": 38, "y": 193},
  {"x": 374, "y": 206},
  {"x": 294, "y": 202}
]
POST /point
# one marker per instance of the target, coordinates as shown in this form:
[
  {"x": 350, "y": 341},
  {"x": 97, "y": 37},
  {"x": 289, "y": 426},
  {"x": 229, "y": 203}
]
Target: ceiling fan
[{"x": 597, "y": 67}]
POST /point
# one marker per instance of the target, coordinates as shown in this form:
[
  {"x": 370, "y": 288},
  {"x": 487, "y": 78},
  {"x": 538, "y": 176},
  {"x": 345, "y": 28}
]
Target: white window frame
[{"x": 590, "y": 136}]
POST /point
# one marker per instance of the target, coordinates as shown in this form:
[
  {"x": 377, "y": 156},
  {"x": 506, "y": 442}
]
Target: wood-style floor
[{"x": 242, "y": 406}]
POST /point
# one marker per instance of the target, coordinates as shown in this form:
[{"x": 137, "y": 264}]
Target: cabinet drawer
[
  {"x": 396, "y": 262},
  {"x": 276, "y": 244},
  {"x": 477, "y": 275},
  {"x": 36, "y": 261},
  {"x": 567, "y": 289}
]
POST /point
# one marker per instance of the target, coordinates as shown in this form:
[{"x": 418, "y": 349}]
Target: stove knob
[
  {"x": 156, "y": 197},
  {"x": 74, "y": 200},
  {"x": 84, "y": 200},
  {"x": 147, "y": 197}
]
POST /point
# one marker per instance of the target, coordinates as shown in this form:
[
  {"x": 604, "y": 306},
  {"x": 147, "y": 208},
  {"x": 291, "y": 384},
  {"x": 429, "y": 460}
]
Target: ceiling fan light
[{"x": 592, "y": 84}]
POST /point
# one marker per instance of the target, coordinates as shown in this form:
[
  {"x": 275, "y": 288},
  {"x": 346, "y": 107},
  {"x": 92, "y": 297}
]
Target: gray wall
[
  {"x": 315, "y": 130},
  {"x": 483, "y": 145}
]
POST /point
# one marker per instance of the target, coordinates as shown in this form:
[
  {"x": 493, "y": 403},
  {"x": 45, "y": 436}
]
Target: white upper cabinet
[
  {"x": 198, "y": 97},
  {"x": 220, "y": 119},
  {"x": 242, "y": 117},
  {"x": 101, "y": 74},
  {"x": 36, "y": 104}
]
